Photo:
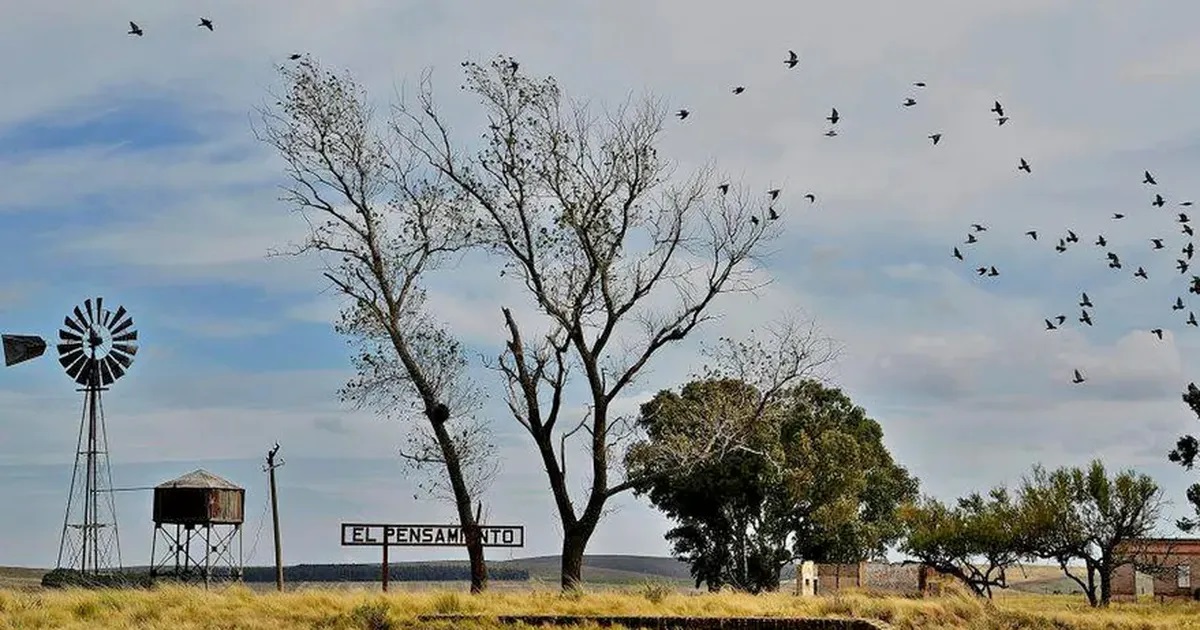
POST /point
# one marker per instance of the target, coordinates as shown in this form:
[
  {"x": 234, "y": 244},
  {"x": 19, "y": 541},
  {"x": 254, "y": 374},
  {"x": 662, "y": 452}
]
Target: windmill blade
[
  {"x": 114, "y": 366},
  {"x": 120, "y": 357},
  {"x": 68, "y": 348},
  {"x": 127, "y": 348},
  {"x": 67, "y": 335},
  {"x": 123, "y": 325},
  {"x": 20, "y": 348},
  {"x": 82, "y": 371},
  {"x": 72, "y": 325},
  {"x": 129, "y": 336},
  {"x": 106, "y": 377},
  {"x": 87, "y": 305},
  {"x": 79, "y": 318},
  {"x": 73, "y": 362},
  {"x": 99, "y": 311},
  {"x": 118, "y": 315}
]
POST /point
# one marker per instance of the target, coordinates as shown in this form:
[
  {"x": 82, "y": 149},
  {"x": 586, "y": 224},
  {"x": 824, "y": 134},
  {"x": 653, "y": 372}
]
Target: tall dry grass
[{"x": 185, "y": 608}]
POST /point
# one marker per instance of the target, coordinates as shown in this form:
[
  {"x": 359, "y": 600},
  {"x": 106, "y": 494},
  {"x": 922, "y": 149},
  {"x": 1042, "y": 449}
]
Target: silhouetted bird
[
  {"x": 1178, "y": 306},
  {"x": 1071, "y": 238},
  {"x": 1085, "y": 302},
  {"x": 1188, "y": 249},
  {"x": 1078, "y": 378},
  {"x": 1118, "y": 215},
  {"x": 206, "y": 23},
  {"x": 773, "y": 193},
  {"x": 971, "y": 239},
  {"x": 792, "y": 59},
  {"x": 1157, "y": 332},
  {"x": 754, "y": 220},
  {"x": 1141, "y": 273},
  {"x": 831, "y": 133},
  {"x": 811, "y": 198},
  {"x": 683, "y": 113},
  {"x": 936, "y": 137},
  {"x": 978, "y": 228},
  {"x": 998, "y": 109},
  {"x": 1032, "y": 234},
  {"x": 1195, "y": 288},
  {"x": 909, "y": 102},
  {"x": 1187, "y": 229},
  {"x": 1181, "y": 265},
  {"x": 957, "y": 254},
  {"x": 1050, "y": 325},
  {"x": 981, "y": 271},
  {"x": 1192, "y": 320},
  {"x": 739, "y": 89},
  {"x": 294, "y": 56},
  {"x": 771, "y": 214},
  {"x": 919, "y": 84},
  {"x": 1085, "y": 318},
  {"x": 134, "y": 29},
  {"x": 1100, "y": 241},
  {"x": 724, "y": 188},
  {"x": 1024, "y": 166},
  {"x": 1149, "y": 179},
  {"x": 992, "y": 271},
  {"x": 833, "y": 117},
  {"x": 1001, "y": 120},
  {"x": 1158, "y": 244},
  {"x": 1061, "y": 247},
  {"x": 1185, "y": 203},
  {"x": 1183, "y": 218},
  {"x": 1158, "y": 201}
]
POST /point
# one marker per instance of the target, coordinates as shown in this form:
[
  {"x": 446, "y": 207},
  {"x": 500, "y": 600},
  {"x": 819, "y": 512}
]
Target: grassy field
[{"x": 333, "y": 609}]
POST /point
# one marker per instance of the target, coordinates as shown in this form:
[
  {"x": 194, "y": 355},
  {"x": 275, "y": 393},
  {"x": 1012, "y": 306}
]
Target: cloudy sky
[{"x": 130, "y": 171}]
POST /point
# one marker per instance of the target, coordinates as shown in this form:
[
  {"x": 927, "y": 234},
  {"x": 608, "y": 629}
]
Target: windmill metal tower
[{"x": 96, "y": 348}]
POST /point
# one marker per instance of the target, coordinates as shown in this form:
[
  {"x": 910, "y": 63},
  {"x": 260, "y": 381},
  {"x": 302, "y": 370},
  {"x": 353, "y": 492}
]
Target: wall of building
[{"x": 893, "y": 578}]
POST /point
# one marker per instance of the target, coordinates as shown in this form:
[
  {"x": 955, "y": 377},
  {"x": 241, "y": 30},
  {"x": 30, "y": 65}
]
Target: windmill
[{"x": 96, "y": 348}]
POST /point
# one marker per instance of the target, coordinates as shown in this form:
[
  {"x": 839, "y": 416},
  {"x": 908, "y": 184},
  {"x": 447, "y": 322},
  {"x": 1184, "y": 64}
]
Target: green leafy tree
[
  {"x": 977, "y": 540},
  {"x": 1184, "y": 454},
  {"x": 810, "y": 479},
  {"x": 1086, "y": 515}
]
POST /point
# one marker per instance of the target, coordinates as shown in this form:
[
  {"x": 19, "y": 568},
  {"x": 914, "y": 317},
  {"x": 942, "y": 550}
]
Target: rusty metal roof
[{"x": 199, "y": 478}]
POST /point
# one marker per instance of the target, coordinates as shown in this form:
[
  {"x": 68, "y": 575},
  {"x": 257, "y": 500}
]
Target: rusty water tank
[{"x": 199, "y": 498}]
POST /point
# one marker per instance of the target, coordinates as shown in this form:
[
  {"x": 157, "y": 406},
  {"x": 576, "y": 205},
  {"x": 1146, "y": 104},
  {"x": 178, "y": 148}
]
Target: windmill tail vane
[{"x": 21, "y": 348}]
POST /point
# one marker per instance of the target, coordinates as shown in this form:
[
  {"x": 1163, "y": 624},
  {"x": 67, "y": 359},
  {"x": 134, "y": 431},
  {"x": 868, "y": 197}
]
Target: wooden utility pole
[{"x": 270, "y": 470}]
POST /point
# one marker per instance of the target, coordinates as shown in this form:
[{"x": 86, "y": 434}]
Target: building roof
[{"x": 199, "y": 478}]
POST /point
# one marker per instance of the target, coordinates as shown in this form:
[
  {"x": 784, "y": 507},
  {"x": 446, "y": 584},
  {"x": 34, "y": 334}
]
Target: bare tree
[
  {"x": 612, "y": 247},
  {"x": 379, "y": 226}
]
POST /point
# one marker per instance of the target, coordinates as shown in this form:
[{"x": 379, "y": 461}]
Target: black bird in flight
[
  {"x": 1149, "y": 179},
  {"x": 774, "y": 193},
  {"x": 739, "y": 89},
  {"x": 992, "y": 271},
  {"x": 811, "y": 198},
  {"x": 1141, "y": 273},
  {"x": 1085, "y": 302},
  {"x": 1100, "y": 241},
  {"x": 1118, "y": 215},
  {"x": 1181, "y": 265},
  {"x": 1024, "y": 166},
  {"x": 1061, "y": 247},
  {"x": 1195, "y": 288},
  {"x": 971, "y": 238},
  {"x": 1192, "y": 320},
  {"x": 1187, "y": 229},
  {"x": 919, "y": 84},
  {"x": 683, "y": 113},
  {"x": 935, "y": 137},
  {"x": 957, "y": 254},
  {"x": 1185, "y": 203},
  {"x": 1157, "y": 332},
  {"x": 1178, "y": 306},
  {"x": 1158, "y": 244},
  {"x": 1188, "y": 249},
  {"x": 754, "y": 220},
  {"x": 1050, "y": 325},
  {"x": 998, "y": 109},
  {"x": 1071, "y": 238},
  {"x": 792, "y": 59},
  {"x": 1078, "y": 378},
  {"x": 981, "y": 271},
  {"x": 294, "y": 56},
  {"x": 978, "y": 228},
  {"x": 1032, "y": 234},
  {"x": 134, "y": 29},
  {"x": 1183, "y": 218},
  {"x": 206, "y": 23},
  {"x": 1001, "y": 120},
  {"x": 831, "y": 133},
  {"x": 1158, "y": 201},
  {"x": 1085, "y": 318},
  {"x": 909, "y": 102},
  {"x": 833, "y": 117},
  {"x": 724, "y": 188},
  {"x": 771, "y": 214}
]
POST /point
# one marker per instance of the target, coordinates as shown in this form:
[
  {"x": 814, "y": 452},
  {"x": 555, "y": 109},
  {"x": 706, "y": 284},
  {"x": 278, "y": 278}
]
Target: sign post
[{"x": 387, "y": 535}]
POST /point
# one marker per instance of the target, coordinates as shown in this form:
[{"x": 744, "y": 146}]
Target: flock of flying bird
[
  {"x": 1053, "y": 323},
  {"x": 988, "y": 270}
]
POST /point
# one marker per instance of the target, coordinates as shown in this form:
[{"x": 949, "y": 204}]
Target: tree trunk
[
  {"x": 1106, "y": 571},
  {"x": 575, "y": 541},
  {"x": 462, "y": 502}
]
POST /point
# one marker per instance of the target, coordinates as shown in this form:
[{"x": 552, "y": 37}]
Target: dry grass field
[{"x": 331, "y": 609}]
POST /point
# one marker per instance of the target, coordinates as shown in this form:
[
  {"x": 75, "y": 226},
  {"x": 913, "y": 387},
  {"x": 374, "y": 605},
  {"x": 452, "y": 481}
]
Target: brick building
[
  {"x": 906, "y": 579},
  {"x": 1179, "y": 559}
]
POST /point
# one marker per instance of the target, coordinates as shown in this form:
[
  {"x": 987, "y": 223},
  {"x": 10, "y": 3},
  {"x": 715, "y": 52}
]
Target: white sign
[{"x": 378, "y": 535}]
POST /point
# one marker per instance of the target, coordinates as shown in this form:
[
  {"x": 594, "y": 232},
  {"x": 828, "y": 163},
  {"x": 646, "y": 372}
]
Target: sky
[{"x": 131, "y": 172}]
